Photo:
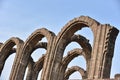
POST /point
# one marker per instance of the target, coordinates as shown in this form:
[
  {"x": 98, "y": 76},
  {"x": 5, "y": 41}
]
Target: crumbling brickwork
[{"x": 53, "y": 65}]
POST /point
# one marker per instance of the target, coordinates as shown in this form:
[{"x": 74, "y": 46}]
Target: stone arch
[
  {"x": 71, "y": 55},
  {"x": 84, "y": 43},
  {"x": 35, "y": 67},
  {"x": 74, "y": 69},
  {"x": 32, "y": 40},
  {"x": 63, "y": 37},
  {"x": 6, "y": 49}
]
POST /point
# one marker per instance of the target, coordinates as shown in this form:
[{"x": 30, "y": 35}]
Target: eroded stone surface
[{"x": 53, "y": 65}]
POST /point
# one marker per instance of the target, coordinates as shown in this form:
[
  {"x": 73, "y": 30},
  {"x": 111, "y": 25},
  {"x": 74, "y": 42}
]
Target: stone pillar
[{"x": 102, "y": 52}]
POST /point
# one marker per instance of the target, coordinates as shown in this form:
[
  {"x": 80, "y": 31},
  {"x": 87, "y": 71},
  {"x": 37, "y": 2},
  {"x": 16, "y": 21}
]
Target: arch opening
[
  {"x": 37, "y": 54},
  {"x": 39, "y": 75},
  {"x": 73, "y": 69},
  {"x": 87, "y": 33},
  {"x": 75, "y": 76},
  {"x": 79, "y": 61},
  {"x": 72, "y": 27},
  {"x": 115, "y": 67},
  {"x": 26, "y": 71},
  {"x": 28, "y": 48},
  {"x": 70, "y": 47},
  {"x": 36, "y": 60},
  {"x": 7, "y": 67}
]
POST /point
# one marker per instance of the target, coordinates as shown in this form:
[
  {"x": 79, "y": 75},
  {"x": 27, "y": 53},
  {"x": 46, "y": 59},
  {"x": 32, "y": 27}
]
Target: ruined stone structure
[{"x": 53, "y": 65}]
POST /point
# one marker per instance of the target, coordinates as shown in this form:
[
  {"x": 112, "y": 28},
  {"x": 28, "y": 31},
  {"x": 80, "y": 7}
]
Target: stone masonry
[{"x": 53, "y": 65}]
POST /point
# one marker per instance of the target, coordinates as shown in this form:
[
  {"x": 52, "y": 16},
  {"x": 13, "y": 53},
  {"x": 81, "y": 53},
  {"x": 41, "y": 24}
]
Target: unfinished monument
[{"x": 53, "y": 65}]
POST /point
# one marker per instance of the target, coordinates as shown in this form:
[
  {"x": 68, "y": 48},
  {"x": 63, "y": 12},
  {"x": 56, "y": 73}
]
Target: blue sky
[{"x": 19, "y": 18}]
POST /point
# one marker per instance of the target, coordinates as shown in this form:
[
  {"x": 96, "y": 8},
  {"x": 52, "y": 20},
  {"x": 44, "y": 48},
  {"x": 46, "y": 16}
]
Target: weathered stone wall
[{"x": 53, "y": 65}]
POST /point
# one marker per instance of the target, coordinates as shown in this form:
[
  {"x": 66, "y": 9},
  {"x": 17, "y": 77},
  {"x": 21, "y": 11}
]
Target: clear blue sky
[{"x": 19, "y": 18}]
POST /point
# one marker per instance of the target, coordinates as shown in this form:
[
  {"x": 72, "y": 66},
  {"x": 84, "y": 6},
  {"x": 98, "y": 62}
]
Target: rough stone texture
[{"x": 53, "y": 65}]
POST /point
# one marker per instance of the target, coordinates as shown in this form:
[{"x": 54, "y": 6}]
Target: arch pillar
[{"x": 102, "y": 53}]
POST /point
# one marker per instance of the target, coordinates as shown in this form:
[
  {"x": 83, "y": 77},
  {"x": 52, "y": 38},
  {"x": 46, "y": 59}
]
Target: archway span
[
  {"x": 76, "y": 24},
  {"x": 99, "y": 33},
  {"x": 32, "y": 40},
  {"x": 35, "y": 67},
  {"x": 71, "y": 55},
  {"x": 74, "y": 69},
  {"x": 84, "y": 43},
  {"x": 38, "y": 35},
  {"x": 6, "y": 48}
]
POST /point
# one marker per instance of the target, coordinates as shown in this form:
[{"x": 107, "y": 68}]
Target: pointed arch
[
  {"x": 34, "y": 67},
  {"x": 65, "y": 34},
  {"x": 77, "y": 24},
  {"x": 5, "y": 50},
  {"x": 32, "y": 40},
  {"x": 71, "y": 27},
  {"x": 84, "y": 43},
  {"x": 71, "y": 55},
  {"x": 74, "y": 69},
  {"x": 37, "y": 35}
]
